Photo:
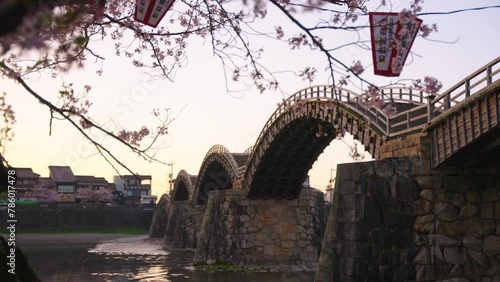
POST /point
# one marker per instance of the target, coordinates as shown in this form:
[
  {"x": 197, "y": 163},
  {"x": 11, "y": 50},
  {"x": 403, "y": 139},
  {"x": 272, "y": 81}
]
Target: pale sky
[{"x": 207, "y": 114}]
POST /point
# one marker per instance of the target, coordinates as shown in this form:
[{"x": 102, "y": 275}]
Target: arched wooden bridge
[{"x": 463, "y": 117}]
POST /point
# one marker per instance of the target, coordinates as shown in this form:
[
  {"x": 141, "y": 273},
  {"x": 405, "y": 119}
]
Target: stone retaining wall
[
  {"x": 261, "y": 232},
  {"x": 77, "y": 216}
]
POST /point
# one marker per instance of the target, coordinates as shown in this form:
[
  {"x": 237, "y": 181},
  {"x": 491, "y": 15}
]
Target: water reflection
[{"x": 134, "y": 259}]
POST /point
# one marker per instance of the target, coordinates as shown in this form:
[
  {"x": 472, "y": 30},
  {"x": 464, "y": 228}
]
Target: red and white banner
[
  {"x": 392, "y": 38},
  {"x": 150, "y": 12}
]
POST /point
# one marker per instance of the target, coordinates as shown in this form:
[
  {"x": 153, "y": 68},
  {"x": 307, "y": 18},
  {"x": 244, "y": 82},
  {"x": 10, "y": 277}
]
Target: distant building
[
  {"x": 64, "y": 182},
  {"x": 329, "y": 191},
  {"x": 61, "y": 178},
  {"x": 119, "y": 183},
  {"x": 25, "y": 182},
  {"x": 90, "y": 181},
  {"x": 149, "y": 200},
  {"x": 45, "y": 182},
  {"x": 133, "y": 187},
  {"x": 329, "y": 195},
  {"x": 306, "y": 183}
]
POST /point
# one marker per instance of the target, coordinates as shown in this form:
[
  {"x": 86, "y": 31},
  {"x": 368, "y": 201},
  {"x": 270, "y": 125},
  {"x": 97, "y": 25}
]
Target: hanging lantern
[
  {"x": 151, "y": 12},
  {"x": 391, "y": 38}
]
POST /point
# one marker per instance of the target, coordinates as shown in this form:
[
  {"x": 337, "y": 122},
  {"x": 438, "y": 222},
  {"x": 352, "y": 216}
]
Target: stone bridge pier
[
  {"x": 184, "y": 223},
  {"x": 262, "y": 232},
  {"x": 396, "y": 219}
]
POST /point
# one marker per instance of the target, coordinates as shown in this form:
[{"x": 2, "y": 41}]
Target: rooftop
[
  {"x": 91, "y": 180},
  {"x": 24, "y": 172},
  {"x": 62, "y": 174}
]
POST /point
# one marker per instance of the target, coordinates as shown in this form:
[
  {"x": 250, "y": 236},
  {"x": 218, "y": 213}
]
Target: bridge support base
[
  {"x": 262, "y": 232},
  {"x": 396, "y": 220},
  {"x": 159, "y": 221},
  {"x": 184, "y": 222}
]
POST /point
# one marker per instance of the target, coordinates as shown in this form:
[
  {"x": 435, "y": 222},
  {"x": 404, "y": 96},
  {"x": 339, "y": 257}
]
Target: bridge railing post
[
  {"x": 430, "y": 107},
  {"x": 489, "y": 79},
  {"x": 467, "y": 88},
  {"x": 408, "y": 117},
  {"x": 387, "y": 124}
]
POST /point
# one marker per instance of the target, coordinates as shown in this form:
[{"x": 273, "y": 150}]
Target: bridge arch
[
  {"x": 301, "y": 128},
  {"x": 160, "y": 217},
  {"x": 218, "y": 171},
  {"x": 164, "y": 200},
  {"x": 183, "y": 186}
]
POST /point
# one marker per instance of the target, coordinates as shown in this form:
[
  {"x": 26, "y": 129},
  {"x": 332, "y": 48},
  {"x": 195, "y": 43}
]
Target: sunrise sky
[{"x": 206, "y": 114}]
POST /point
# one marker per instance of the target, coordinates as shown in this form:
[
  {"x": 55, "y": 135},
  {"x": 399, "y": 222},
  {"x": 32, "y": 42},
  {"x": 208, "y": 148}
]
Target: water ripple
[{"x": 139, "y": 245}]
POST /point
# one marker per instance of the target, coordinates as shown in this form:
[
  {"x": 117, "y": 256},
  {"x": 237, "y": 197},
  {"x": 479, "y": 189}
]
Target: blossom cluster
[
  {"x": 374, "y": 99},
  {"x": 9, "y": 118},
  {"x": 94, "y": 195},
  {"x": 133, "y": 137},
  {"x": 430, "y": 85},
  {"x": 42, "y": 194}
]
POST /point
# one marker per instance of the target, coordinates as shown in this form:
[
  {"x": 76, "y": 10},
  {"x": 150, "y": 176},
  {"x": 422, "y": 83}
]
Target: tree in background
[
  {"x": 44, "y": 195},
  {"x": 94, "y": 195}
]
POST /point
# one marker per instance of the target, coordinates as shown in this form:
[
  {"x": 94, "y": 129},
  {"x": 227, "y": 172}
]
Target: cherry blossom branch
[
  {"x": 68, "y": 113},
  {"x": 317, "y": 43}
]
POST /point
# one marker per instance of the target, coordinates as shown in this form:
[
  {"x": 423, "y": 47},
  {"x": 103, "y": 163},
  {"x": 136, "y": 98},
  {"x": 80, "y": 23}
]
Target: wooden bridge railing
[
  {"x": 416, "y": 110},
  {"x": 465, "y": 88}
]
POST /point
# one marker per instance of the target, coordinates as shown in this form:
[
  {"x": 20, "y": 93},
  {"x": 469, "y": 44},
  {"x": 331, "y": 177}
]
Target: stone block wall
[
  {"x": 183, "y": 225},
  {"x": 459, "y": 221},
  {"x": 262, "y": 232},
  {"x": 396, "y": 220},
  {"x": 415, "y": 146},
  {"x": 369, "y": 234}
]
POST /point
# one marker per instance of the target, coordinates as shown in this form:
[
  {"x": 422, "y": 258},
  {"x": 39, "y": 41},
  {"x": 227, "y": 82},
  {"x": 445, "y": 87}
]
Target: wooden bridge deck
[
  {"x": 465, "y": 113},
  {"x": 476, "y": 117}
]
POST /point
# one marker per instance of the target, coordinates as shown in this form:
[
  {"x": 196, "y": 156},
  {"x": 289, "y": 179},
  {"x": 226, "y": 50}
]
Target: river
[{"x": 133, "y": 258}]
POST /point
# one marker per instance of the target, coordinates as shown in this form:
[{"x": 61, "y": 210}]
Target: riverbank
[{"x": 65, "y": 239}]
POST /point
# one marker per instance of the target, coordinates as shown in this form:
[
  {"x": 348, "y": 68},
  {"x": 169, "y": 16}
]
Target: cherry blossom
[
  {"x": 133, "y": 137},
  {"x": 45, "y": 195},
  {"x": 299, "y": 107},
  {"x": 427, "y": 30},
  {"x": 430, "y": 85},
  {"x": 9, "y": 119},
  {"x": 94, "y": 195},
  {"x": 354, "y": 152},
  {"x": 357, "y": 68},
  {"x": 389, "y": 110}
]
